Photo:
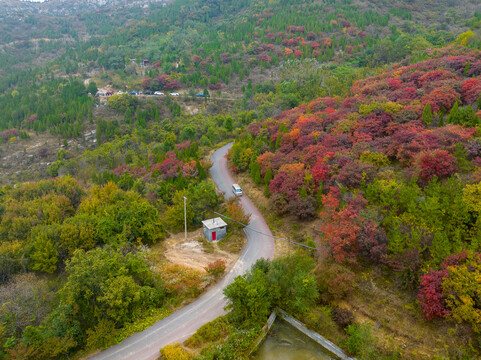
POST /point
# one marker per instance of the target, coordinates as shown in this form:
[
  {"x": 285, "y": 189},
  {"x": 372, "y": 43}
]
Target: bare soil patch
[{"x": 192, "y": 252}]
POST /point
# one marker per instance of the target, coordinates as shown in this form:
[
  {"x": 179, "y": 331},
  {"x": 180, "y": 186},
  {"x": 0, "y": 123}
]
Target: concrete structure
[{"x": 215, "y": 229}]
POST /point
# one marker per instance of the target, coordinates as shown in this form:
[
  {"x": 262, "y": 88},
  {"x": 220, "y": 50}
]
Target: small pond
[{"x": 284, "y": 342}]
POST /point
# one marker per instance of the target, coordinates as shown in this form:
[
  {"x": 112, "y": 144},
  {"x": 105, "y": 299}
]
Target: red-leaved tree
[
  {"x": 435, "y": 163},
  {"x": 431, "y": 294}
]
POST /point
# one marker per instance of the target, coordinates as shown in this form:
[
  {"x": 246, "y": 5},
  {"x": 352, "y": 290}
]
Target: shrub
[
  {"x": 215, "y": 268},
  {"x": 43, "y": 152},
  {"x": 334, "y": 281},
  {"x": 431, "y": 294},
  {"x": 342, "y": 317},
  {"x": 236, "y": 213},
  {"x": 360, "y": 339},
  {"x": 212, "y": 332},
  {"x": 304, "y": 207},
  {"x": 377, "y": 159},
  {"x": 181, "y": 281},
  {"x": 435, "y": 163},
  {"x": 174, "y": 352},
  {"x": 407, "y": 266}
]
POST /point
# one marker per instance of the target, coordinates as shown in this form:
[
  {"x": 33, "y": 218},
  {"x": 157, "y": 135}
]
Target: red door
[{"x": 214, "y": 235}]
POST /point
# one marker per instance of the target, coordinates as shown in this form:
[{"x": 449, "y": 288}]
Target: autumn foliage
[{"x": 388, "y": 168}]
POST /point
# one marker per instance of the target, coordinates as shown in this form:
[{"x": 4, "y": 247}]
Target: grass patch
[
  {"x": 207, "y": 246},
  {"x": 213, "y": 332},
  {"x": 319, "y": 319},
  {"x": 234, "y": 242}
]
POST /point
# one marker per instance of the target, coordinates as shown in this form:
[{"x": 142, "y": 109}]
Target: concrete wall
[
  {"x": 220, "y": 233},
  {"x": 321, "y": 340}
]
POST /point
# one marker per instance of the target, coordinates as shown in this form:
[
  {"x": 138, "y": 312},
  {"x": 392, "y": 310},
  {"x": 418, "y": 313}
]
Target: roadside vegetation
[{"x": 356, "y": 122}]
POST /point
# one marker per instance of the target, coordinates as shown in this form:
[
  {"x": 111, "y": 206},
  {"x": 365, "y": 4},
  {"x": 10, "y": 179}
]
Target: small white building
[{"x": 215, "y": 229}]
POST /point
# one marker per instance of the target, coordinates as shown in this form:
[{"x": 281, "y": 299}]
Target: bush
[
  {"x": 334, "y": 281},
  {"x": 236, "y": 212},
  {"x": 303, "y": 207},
  {"x": 435, "y": 163},
  {"x": 174, "y": 352},
  {"x": 215, "y": 268},
  {"x": 342, "y": 317},
  {"x": 212, "y": 332},
  {"x": 360, "y": 339},
  {"x": 407, "y": 265}
]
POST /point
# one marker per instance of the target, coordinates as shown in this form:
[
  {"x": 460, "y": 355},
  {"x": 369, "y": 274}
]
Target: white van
[{"x": 236, "y": 190}]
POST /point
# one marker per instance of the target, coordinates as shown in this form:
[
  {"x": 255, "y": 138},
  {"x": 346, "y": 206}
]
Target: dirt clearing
[{"x": 194, "y": 252}]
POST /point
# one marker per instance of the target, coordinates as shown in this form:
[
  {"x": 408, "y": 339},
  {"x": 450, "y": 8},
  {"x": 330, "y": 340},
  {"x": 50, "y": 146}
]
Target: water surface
[{"x": 284, "y": 342}]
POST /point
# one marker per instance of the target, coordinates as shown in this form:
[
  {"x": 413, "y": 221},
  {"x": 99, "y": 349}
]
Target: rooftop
[{"x": 214, "y": 223}]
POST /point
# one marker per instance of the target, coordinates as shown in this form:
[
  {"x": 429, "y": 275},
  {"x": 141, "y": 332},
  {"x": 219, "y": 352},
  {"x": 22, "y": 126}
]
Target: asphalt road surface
[{"x": 183, "y": 323}]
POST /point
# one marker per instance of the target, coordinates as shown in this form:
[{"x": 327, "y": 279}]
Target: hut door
[{"x": 214, "y": 235}]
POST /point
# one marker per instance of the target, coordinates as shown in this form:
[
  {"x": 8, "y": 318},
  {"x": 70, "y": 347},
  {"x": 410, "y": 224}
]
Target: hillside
[
  {"x": 356, "y": 129},
  {"x": 392, "y": 170},
  {"x": 65, "y": 7}
]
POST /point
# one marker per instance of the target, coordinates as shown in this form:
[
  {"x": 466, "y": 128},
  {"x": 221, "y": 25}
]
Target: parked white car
[
  {"x": 159, "y": 93},
  {"x": 236, "y": 189},
  {"x": 174, "y": 94},
  {"x": 120, "y": 92}
]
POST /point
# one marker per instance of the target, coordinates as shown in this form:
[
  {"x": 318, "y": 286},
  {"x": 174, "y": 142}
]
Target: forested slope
[
  {"x": 359, "y": 119},
  {"x": 393, "y": 172}
]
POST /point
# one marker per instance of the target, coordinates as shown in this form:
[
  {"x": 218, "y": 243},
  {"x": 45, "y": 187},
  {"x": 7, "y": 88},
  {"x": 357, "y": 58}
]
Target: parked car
[
  {"x": 120, "y": 92},
  {"x": 159, "y": 93},
  {"x": 100, "y": 93},
  {"x": 148, "y": 92},
  {"x": 200, "y": 95},
  {"x": 174, "y": 94},
  {"x": 133, "y": 93},
  {"x": 236, "y": 189},
  {"x": 109, "y": 93}
]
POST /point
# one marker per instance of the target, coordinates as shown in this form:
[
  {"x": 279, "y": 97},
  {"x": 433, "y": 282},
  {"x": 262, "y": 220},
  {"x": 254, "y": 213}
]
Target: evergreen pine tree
[
  {"x": 268, "y": 176},
  {"x": 427, "y": 114},
  {"x": 453, "y": 114},
  {"x": 442, "y": 112},
  {"x": 440, "y": 247},
  {"x": 466, "y": 68}
]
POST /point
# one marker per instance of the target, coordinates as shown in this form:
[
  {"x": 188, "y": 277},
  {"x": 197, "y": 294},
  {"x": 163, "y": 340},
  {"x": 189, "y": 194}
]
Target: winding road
[{"x": 183, "y": 323}]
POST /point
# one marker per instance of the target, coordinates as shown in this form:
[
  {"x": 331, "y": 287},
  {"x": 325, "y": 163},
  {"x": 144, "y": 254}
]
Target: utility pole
[{"x": 185, "y": 218}]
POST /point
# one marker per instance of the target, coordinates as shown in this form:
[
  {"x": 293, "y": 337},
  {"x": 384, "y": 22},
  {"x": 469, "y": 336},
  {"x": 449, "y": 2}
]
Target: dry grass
[{"x": 398, "y": 322}]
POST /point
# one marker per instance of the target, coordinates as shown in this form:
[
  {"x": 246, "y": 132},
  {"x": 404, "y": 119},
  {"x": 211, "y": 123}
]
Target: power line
[{"x": 273, "y": 236}]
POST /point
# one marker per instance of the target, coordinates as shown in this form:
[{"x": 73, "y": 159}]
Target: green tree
[
  {"x": 104, "y": 284},
  {"x": 453, "y": 117},
  {"x": 228, "y": 123},
  {"x": 45, "y": 255},
  {"x": 462, "y": 290},
  {"x": 427, "y": 114},
  {"x": 92, "y": 88},
  {"x": 249, "y": 298},
  {"x": 292, "y": 284},
  {"x": 440, "y": 247}
]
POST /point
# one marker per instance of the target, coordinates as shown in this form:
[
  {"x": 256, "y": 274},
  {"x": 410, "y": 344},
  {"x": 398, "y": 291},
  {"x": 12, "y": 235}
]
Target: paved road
[{"x": 183, "y": 323}]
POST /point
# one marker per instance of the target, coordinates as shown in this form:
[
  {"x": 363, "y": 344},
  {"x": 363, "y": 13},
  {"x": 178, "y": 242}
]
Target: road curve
[{"x": 183, "y": 323}]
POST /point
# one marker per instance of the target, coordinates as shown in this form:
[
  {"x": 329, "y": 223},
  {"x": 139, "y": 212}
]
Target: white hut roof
[{"x": 214, "y": 223}]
